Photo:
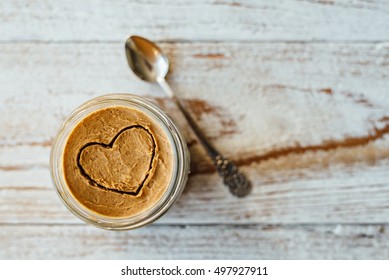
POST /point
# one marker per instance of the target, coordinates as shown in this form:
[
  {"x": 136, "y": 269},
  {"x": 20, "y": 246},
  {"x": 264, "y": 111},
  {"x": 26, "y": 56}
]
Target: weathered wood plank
[
  {"x": 341, "y": 193},
  {"x": 337, "y": 89},
  {"x": 249, "y": 20},
  {"x": 196, "y": 242},
  {"x": 307, "y": 122}
]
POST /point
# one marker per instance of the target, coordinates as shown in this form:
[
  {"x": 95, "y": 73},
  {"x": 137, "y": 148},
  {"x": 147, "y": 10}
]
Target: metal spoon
[{"x": 150, "y": 64}]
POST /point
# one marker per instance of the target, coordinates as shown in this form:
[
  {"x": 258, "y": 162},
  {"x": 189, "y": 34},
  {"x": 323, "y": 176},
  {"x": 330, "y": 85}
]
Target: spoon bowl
[{"x": 146, "y": 59}]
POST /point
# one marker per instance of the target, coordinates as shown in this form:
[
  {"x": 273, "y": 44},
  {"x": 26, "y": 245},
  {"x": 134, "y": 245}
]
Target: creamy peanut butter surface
[{"x": 118, "y": 162}]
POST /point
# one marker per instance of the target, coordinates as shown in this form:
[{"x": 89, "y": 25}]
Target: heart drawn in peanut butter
[{"x": 121, "y": 166}]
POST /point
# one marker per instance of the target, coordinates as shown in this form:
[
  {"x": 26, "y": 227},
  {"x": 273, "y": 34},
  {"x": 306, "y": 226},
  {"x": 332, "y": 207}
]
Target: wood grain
[
  {"x": 196, "y": 242},
  {"x": 342, "y": 88},
  {"x": 295, "y": 92},
  {"x": 220, "y": 20},
  {"x": 307, "y": 122}
]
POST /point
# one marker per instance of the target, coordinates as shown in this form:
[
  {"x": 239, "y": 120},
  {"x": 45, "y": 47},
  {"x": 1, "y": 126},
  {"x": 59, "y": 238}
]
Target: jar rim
[{"x": 180, "y": 165}]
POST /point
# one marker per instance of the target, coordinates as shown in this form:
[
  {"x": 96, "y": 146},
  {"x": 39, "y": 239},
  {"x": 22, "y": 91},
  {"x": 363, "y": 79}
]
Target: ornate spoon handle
[{"x": 237, "y": 182}]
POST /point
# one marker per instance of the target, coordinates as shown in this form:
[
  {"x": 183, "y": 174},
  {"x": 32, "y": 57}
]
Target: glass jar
[{"x": 180, "y": 162}]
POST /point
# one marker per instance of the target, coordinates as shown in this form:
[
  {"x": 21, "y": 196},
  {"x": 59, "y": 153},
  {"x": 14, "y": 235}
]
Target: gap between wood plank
[
  {"x": 249, "y": 225},
  {"x": 64, "y": 42}
]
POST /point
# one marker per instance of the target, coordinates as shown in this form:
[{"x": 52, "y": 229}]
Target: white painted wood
[
  {"x": 351, "y": 194},
  {"x": 342, "y": 88},
  {"x": 196, "y": 242},
  {"x": 312, "y": 135},
  {"x": 250, "y": 20},
  {"x": 295, "y": 92}
]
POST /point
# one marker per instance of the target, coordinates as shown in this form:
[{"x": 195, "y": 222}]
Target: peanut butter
[{"x": 118, "y": 162}]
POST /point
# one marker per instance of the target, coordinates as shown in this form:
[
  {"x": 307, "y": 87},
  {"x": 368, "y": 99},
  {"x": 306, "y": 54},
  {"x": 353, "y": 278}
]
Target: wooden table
[{"x": 295, "y": 92}]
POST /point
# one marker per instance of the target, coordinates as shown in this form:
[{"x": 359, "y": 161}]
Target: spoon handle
[{"x": 236, "y": 181}]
